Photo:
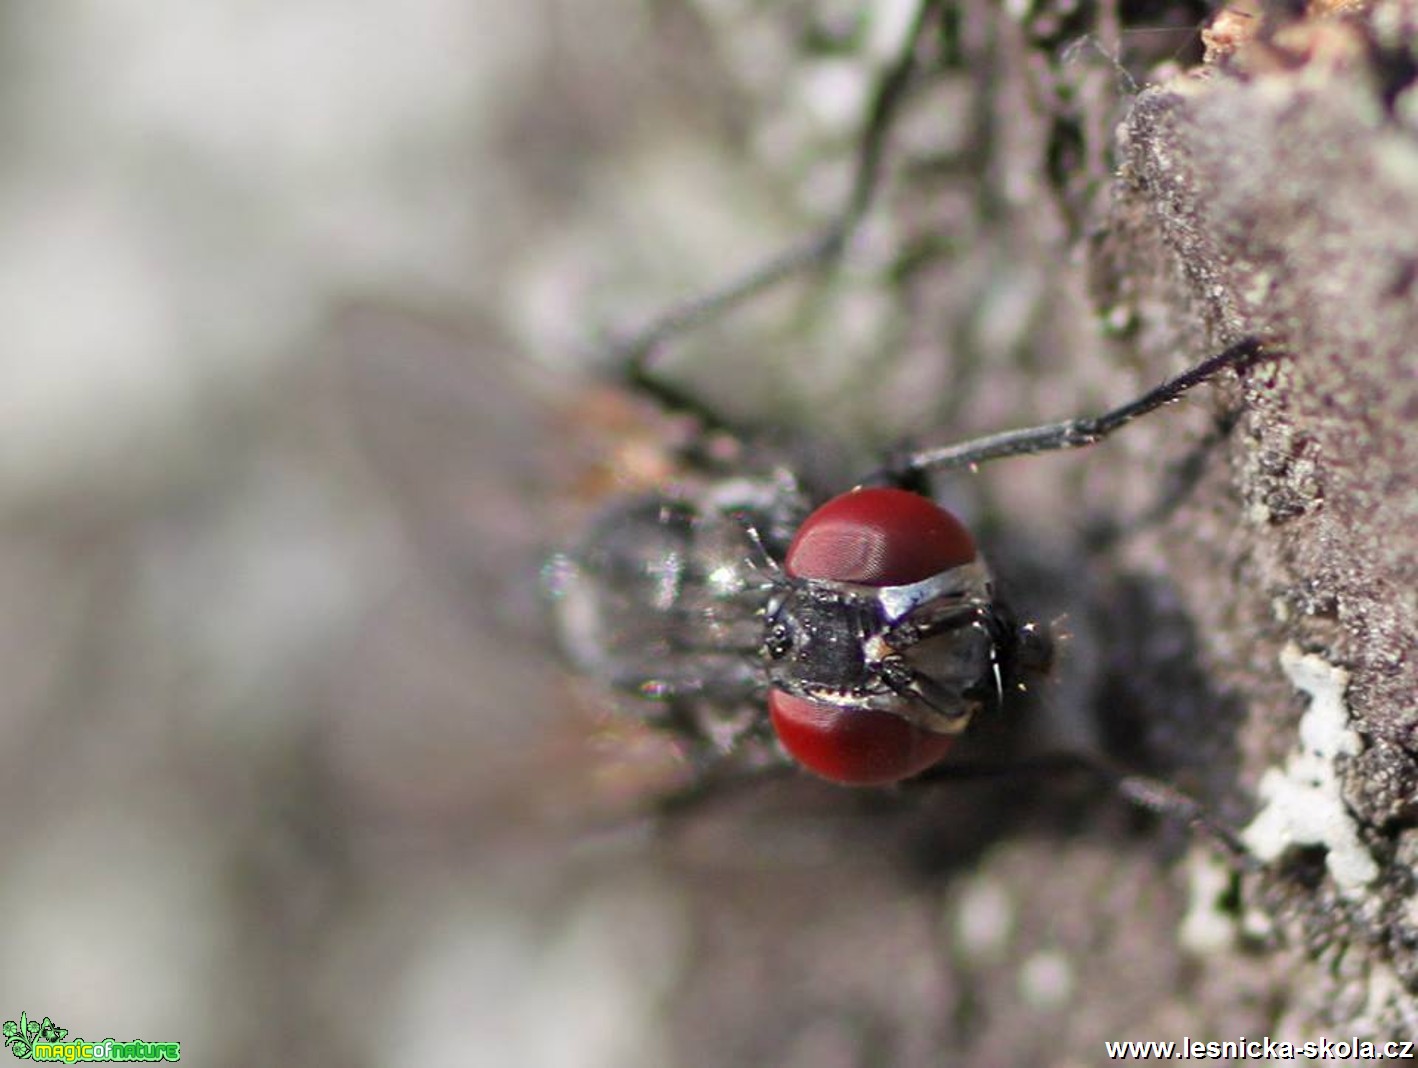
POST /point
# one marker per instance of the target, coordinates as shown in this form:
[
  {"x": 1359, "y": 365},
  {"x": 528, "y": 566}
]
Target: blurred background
[{"x": 300, "y": 305}]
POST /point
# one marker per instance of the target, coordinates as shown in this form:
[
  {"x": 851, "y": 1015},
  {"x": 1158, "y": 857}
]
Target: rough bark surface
[{"x": 1280, "y": 196}]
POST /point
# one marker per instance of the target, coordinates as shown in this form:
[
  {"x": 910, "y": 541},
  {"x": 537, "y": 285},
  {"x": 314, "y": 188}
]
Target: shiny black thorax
[
  {"x": 820, "y": 632},
  {"x": 928, "y": 651}
]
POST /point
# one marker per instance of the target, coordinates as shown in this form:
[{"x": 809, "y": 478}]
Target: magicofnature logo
[{"x": 44, "y": 1040}]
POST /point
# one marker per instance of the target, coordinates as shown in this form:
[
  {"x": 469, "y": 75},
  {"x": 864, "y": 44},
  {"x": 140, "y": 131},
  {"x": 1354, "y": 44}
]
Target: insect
[{"x": 865, "y": 622}]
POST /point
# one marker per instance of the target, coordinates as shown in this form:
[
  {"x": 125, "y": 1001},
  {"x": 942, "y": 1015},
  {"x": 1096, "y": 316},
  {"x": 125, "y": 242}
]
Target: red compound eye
[
  {"x": 878, "y": 537},
  {"x": 854, "y": 747},
  {"x": 875, "y": 537}
]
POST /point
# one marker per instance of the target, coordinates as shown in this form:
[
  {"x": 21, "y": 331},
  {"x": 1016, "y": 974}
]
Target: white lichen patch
[
  {"x": 1207, "y": 926},
  {"x": 1302, "y": 803}
]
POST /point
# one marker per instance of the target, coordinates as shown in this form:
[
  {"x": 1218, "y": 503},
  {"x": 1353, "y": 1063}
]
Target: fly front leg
[{"x": 907, "y": 468}]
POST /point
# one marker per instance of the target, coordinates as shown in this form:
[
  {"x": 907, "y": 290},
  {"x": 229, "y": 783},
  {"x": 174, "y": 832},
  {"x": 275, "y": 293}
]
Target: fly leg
[{"x": 908, "y": 467}]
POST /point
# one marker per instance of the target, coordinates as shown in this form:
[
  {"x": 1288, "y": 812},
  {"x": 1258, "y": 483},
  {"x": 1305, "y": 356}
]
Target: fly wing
[
  {"x": 461, "y": 436},
  {"x": 473, "y": 457}
]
